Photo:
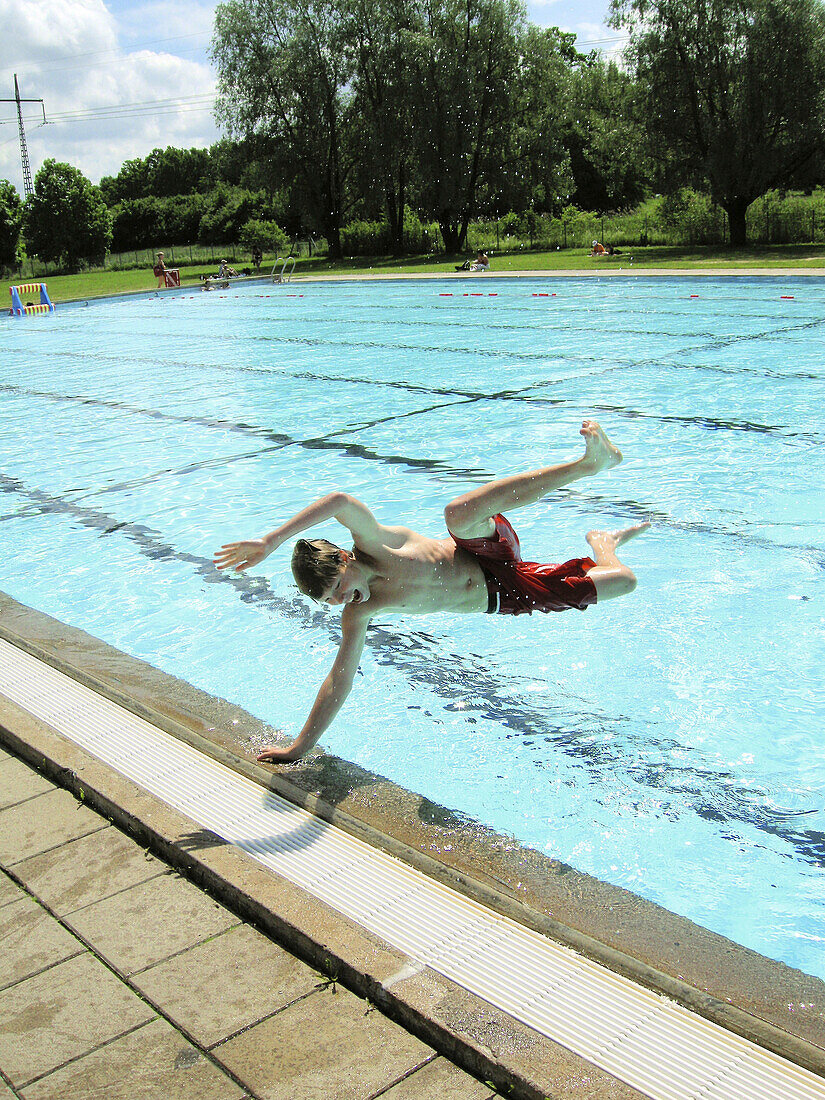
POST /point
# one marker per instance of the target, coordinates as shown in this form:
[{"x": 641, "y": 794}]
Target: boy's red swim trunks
[{"x": 516, "y": 587}]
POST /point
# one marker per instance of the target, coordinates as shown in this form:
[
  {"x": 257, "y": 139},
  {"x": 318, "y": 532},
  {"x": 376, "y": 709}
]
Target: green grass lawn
[{"x": 96, "y": 284}]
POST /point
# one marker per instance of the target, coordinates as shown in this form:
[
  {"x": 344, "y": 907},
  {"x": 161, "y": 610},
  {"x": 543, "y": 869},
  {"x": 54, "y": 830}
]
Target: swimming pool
[{"x": 666, "y": 742}]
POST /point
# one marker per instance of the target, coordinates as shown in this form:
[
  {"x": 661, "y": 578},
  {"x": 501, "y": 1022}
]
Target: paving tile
[
  {"x": 18, "y": 781},
  {"x": 326, "y": 1045},
  {"x": 61, "y": 1014},
  {"x": 231, "y": 981},
  {"x": 150, "y": 921},
  {"x": 87, "y": 870},
  {"x": 437, "y": 1080},
  {"x": 9, "y": 890},
  {"x": 5, "y": 1092},
  {"x": 152, "y": 1063},
  {"x": 32, "y": 940},
  {"x": 42, "y": 823}
]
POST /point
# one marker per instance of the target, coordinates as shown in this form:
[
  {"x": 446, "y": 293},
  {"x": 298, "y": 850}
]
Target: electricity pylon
[{"x": 28, "y": 188}]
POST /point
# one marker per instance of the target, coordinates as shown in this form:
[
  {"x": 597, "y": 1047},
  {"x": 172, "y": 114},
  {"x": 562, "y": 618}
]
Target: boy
[{"x": 477, "y": 569}]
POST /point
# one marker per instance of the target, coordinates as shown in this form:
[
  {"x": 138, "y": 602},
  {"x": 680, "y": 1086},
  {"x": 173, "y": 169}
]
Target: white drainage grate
[{"x": 650, "y": 1042}]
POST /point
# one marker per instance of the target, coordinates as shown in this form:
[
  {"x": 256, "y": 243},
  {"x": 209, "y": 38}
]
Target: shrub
[{"x": 267, "y": 235}]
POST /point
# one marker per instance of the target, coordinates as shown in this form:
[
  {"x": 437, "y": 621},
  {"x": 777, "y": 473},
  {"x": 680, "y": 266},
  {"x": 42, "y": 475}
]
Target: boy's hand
[
  {"x": 275, "y": 755},
  {"x": 241, "y": 555}
]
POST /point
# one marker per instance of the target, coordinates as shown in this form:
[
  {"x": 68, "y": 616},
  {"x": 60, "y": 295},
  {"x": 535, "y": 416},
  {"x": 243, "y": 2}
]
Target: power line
[
  {"x": 203, "y": 101},
  {"x": 117, "y": 54}
]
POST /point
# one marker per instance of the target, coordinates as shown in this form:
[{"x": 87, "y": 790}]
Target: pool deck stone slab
[
  {"x": 63, "y": 1013},
  {"x": 87, "y": 870},
  {"x": 230, "y": 982},
  {"x": 9, "y": 890},
  {"x": 17, "y": 782},
  {"x": 149, "y": 922},
  {"x": 152, "y": 1063},
  {"x": 438, "y": 1080},
  {"x": 32, "y": 941},
  {"x": 330, "y": 1035},
  {"x": 36, "y": 825}
]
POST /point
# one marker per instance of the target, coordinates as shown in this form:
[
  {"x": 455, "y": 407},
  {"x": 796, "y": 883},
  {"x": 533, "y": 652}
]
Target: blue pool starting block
[{"x": 17, "y": 307}]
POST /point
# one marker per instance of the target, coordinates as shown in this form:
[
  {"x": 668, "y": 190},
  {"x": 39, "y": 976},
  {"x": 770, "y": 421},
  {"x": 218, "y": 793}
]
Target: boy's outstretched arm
[
  {"x": 351, "y": 513},
  {"x": 334, "y": 690}
]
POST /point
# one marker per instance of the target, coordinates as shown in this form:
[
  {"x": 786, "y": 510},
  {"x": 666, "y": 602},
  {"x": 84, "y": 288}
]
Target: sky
[{"x": 119, "y": 78}]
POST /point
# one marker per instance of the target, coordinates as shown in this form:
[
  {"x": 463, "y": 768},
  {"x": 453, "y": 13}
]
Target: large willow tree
[
  {"x": 734, "y": 91},
  {"x": 467, "y": 61},
  {"x": 284, "y": 70}
]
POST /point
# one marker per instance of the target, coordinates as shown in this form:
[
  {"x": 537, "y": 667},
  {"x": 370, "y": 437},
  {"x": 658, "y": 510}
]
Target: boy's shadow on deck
[{"x": 332, "y": 782}]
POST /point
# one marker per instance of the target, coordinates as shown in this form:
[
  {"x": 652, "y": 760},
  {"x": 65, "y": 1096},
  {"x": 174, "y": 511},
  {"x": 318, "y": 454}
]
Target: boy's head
[{"x": 316, "y": 564}]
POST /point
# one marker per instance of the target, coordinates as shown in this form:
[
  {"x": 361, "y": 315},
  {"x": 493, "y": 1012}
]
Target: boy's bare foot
[
  {"x": 597, "y": 447},
  {"x": 601, "y": 541}
]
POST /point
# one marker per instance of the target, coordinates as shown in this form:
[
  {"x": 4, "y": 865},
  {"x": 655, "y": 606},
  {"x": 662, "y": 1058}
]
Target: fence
[{"x": 187, "y": 255}]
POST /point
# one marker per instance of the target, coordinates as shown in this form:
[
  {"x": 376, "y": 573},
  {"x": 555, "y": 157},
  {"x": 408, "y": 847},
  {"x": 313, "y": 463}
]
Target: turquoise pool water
[{"x": 669, "y": 742}]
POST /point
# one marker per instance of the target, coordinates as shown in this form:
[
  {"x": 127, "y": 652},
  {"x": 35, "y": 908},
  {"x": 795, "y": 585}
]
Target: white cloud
[
  {"x": 105, "y": 103},
  {"x": 170, "y": 20}
]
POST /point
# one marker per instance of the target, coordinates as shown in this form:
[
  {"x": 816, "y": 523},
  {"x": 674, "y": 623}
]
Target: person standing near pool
[{"x": 478, "y": 568}]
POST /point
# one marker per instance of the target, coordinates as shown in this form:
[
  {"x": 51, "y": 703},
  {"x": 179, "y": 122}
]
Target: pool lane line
[
  {"x": 594, "y": 365},
  {"x": 610, "y": 1020},
  {"x": 527, "y": 394}
]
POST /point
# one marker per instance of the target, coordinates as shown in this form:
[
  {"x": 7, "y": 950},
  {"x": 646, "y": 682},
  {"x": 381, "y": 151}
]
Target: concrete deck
[
  {"x": 120, "y": 978},
  {"x": 776, "y": 1007}
]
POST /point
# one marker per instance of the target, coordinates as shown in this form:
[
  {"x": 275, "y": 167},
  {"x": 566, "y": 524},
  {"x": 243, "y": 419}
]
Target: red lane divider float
[
  {"x": 787, "y": 297},
  {"x": 544, "y": 294}
]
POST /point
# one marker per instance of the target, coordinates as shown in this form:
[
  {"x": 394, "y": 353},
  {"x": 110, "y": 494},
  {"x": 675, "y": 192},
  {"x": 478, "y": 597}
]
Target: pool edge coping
[
  {"x": 793, "y": 1046},
  {"x": 538, "y": 273}
]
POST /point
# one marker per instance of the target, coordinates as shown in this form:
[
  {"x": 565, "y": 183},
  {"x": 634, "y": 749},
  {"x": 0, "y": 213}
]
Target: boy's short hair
[{"x": 315, "y": 565}]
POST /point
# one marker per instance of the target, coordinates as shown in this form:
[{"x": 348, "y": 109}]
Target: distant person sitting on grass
[
  {"x": 480, "y": 263},
  {"x": 225, "y": 271},
  {"x": 477, "y": 568},
  {"x": 598, "y": 249}
]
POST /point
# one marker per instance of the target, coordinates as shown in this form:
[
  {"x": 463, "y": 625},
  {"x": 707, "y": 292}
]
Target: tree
[
  {"x": 165, "y": 172},
  {"x": 227, "y": 209},
  {"x": 532, "y": 169},
  {"x": 734, "y": 88},
  {"x": 609, "y": 153},
  {"x": 382, "y": 34},
  {"x": 465, "y": 74},
  {"x": 66, "y": 219},
  {"x": 284, "y": 74},
  {"x": 11, "y": 222}
]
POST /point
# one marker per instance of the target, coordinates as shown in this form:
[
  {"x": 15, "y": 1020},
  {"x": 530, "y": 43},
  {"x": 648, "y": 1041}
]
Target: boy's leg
[
  {"x": 611, "y": 577},
  {"x": 470, "y": 516}
]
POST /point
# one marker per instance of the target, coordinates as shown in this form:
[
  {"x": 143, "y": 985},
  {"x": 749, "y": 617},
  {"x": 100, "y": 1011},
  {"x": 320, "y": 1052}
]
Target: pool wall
[{"x": 768, "y": 1002}]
